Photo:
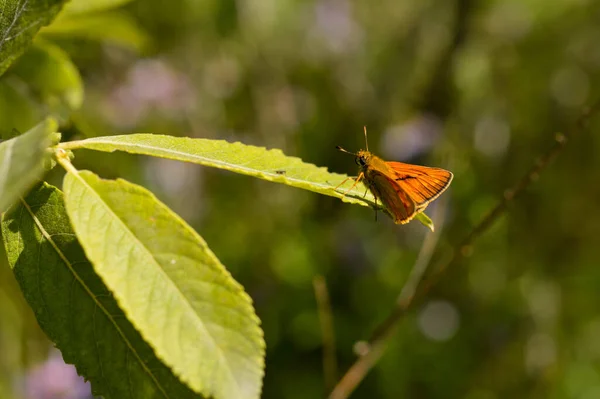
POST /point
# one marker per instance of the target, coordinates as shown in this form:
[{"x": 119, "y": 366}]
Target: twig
[
  {"x": 358, "y": 371},
  {"x": 327, "y": 332},
  {"x": 382, "y": 333},
  {"x": 465, "y": 247}
]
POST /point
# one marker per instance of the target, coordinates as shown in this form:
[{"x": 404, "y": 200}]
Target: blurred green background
[{"x": 477, "y": 87}]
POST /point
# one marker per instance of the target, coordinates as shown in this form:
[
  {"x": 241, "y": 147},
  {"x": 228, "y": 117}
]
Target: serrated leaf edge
[
  {"x": 48, "y": 237},
  {"x": 71, "y": 170},
  {"x": 353, "y": 197}
]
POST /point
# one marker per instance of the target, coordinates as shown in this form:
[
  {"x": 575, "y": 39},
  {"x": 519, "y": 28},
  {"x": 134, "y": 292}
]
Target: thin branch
[
  {"x": 379, "y": 338},
  {"x": 358, "y": 371},
  {"x": 465, "y": 247},
  {"x": 327, "y": 332}
]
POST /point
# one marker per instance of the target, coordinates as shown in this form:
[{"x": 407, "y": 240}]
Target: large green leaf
[
  {"x": 272, "y": 165},
  {"x": 74, "y": 307},
  {"x": 22, "y": 160},
  {"x": 199, "y": 321},
  {"x": 19, "y": 22}
]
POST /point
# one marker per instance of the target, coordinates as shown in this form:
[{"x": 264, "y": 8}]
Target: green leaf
[
  {"x": 170, "y": 285},
  {"x": 425, "y": 220},
  {"x": 19, "y": 22},
  {"x": 89, "y": 6},
  {"x": 74, "y": 307},
  {"x": 42, "y": 82},
  {"x": 111, "y": 26},
  {"x": 50, "y": 73},
  {"x": 272, "y": 165},
  {"x": 22, "y": 161}
]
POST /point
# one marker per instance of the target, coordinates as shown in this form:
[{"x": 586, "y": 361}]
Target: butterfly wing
[
  {"x": 421, "y": 183},
  {"x": 394, "y": 198}
]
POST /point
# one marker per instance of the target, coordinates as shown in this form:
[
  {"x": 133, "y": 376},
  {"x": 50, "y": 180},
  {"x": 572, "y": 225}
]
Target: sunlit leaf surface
[
  {"x": 272, "y": 165},
  {"x": 175, "y": 291},
  {"x": 22, "y": 161},
  {"x": 74, "y": 307},
  {"x": 19, "y": 22}
]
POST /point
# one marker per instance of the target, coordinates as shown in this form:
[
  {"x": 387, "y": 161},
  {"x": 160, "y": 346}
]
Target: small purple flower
[{"x": 55, "y": 380}]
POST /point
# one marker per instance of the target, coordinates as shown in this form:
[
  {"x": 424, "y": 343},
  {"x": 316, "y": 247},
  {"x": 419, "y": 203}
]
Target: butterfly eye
[{"x": 357, "y": 161}]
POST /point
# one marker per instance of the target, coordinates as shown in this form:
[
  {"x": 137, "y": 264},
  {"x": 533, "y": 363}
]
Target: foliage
[
  {"x": 271, "y": 165},
  {"x": 74, "y": 307},
  {"x": 166, "y": 305},
  {"x": 19, "y": 22},
  {"x": 23, "y": 160},
  {"x": 123, "y": 286}
]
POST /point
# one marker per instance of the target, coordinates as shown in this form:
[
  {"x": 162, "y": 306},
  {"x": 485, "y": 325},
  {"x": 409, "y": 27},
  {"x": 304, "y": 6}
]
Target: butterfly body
[{"x": 403, "y": 189}]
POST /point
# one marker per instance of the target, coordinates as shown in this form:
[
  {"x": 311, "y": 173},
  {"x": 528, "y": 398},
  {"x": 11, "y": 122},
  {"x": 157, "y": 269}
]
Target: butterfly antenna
[
  {"x": 343, "y": 150},
  {"x": 366, "y": 142}
]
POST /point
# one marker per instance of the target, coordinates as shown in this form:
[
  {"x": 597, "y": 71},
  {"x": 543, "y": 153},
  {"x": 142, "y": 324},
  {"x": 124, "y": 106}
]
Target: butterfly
[{"x": 403, "y": 189}]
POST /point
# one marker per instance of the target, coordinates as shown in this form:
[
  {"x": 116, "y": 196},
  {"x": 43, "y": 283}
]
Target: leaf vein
[{"x": 91, "y": 295}]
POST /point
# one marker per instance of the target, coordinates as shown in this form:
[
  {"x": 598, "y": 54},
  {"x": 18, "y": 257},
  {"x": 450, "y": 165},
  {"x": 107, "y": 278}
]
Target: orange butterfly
[{"x": 403, "y": 189}]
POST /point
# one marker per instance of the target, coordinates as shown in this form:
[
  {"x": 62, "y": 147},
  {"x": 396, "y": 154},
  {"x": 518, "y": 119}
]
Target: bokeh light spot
[{"x": 439, "y": 320}]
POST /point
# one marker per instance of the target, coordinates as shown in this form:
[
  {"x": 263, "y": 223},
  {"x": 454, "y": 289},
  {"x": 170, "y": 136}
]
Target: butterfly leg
[
  {"x": 358, "y": 179},
  {"x": 342, "y": 183}
]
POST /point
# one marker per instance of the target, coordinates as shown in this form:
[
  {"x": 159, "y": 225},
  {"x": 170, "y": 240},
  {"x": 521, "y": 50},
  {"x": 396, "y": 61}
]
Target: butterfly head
[{"x": 363, "y": 158}]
